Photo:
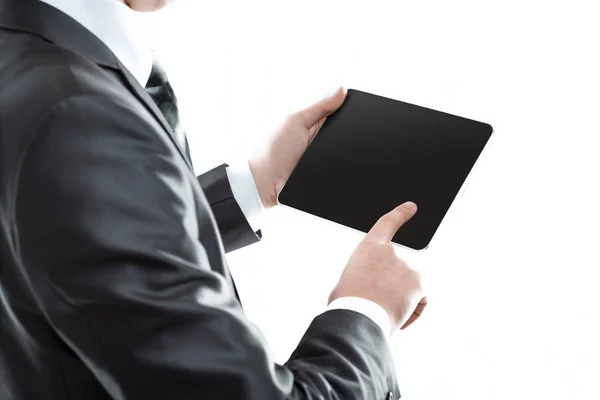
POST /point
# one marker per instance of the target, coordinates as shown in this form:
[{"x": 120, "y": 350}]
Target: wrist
[
  {"x": 338, "y": 294},
  {"x": 366, "y": 307},
  {"x": 265, "y": 186}
]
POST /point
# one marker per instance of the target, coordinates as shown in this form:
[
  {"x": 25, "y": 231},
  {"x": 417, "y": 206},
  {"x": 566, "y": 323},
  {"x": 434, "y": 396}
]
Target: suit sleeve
[
  {"x": 128, "y": 269},
  {"x": 233, "y": 225}
]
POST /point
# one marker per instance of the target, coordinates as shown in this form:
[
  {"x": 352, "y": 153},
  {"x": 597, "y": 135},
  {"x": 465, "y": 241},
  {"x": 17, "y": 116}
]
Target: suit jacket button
[{"x": 390, "y": 396}]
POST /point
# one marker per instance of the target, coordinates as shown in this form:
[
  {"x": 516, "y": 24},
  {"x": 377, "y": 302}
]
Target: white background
[{"x": 513, "y": 270}]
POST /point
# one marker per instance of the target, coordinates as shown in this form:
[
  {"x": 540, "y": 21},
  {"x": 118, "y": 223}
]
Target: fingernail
[
  {"x": 409, "y": 205},
  {"x": 330, "y": 92},
  {"x": 334, "y": 92}
]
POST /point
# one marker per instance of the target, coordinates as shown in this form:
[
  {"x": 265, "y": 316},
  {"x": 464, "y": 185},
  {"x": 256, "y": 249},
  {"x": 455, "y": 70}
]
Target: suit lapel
[{"x": 145, "y": 98}]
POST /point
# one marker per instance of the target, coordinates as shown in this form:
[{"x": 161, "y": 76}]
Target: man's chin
[{"x": 148, "y": 5}]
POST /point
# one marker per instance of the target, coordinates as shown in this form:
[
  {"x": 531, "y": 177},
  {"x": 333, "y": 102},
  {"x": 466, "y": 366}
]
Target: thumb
[
  {"x": 416, "y": 314},
  {"x": 321, "y": 109}
]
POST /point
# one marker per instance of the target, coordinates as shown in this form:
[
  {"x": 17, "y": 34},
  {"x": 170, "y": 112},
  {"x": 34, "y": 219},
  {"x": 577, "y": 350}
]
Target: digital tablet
[{"x": 375, "y": 153}]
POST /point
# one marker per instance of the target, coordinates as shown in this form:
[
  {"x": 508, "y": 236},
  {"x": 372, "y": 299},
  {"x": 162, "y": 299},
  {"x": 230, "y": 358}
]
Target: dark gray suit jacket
[{"x": 113, "y": 277}]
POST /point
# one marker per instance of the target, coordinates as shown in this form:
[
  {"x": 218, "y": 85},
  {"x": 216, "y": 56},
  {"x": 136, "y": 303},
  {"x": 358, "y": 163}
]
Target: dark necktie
[{"x": 159, "y": 88}]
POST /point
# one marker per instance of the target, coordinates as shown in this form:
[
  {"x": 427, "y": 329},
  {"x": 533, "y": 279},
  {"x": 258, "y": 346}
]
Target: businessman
[{"x": 113, "y": 276}]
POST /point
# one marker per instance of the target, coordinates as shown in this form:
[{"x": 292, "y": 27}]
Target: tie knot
[{"x": 158, "y": 76}]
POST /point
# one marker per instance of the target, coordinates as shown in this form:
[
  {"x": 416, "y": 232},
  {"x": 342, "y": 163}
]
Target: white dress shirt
[{"x": 122, "y": 31}]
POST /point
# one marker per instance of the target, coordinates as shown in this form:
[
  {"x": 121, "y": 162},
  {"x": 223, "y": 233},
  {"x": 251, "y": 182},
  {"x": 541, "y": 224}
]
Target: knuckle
[
  {"x": 385, "y": 219},
  {"x": 419, "y": 280},
  {"x": 398, "y": 214},
  {"x": 325, "y": 110},
  {"x": 394, "y": 215}
]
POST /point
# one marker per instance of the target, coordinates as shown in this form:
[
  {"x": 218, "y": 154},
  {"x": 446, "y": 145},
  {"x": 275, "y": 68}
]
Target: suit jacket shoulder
[{"x": 113, "y": 278}]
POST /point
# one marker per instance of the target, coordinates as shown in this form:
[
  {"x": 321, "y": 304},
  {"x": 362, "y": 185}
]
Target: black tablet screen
[{"x": 375, "y": 153}]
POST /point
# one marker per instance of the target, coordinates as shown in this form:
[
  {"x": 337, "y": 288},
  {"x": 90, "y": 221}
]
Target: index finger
[{"x": 387, "y": 226}]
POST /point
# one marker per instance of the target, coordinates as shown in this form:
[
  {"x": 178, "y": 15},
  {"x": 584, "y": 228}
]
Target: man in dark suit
[{"x": 113, "y": 277}]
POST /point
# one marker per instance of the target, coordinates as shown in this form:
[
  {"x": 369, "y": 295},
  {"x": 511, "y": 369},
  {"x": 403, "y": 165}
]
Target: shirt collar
[{"x": 120, "y": 28}]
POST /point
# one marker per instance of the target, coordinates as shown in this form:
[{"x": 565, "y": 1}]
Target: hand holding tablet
[{"x": 374, "y": 154}]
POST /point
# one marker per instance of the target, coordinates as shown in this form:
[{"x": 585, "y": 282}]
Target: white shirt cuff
[
  {"x": 245, "y": 192},
  {"x": 366, "y": 307}
]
